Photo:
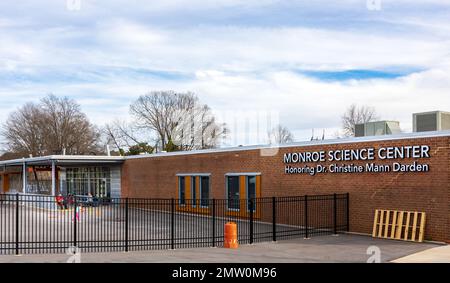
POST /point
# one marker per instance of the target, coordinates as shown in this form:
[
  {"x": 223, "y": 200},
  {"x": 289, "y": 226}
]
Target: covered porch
[{"x": 98, "y": 176}]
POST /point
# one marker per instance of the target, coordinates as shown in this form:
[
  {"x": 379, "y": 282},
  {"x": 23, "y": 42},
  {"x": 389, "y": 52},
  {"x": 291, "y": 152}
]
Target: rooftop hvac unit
[
  {"x": 431, "y": 121},
  {"x": 378, "y": 128}
]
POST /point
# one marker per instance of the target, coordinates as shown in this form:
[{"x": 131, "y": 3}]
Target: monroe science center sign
[{"x": 371, "y": 160}]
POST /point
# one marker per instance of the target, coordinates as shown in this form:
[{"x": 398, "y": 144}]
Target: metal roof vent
[
  {"x": 378, "y": 128},
  {"x": 431, "y": 121}
]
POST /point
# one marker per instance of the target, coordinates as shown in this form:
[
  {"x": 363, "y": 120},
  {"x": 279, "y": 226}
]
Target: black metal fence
[{"x": 37, "y": 224}]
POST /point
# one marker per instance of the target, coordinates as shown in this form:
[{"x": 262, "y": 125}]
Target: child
[
  {"x": 60, "y": 201},
  {"x": 77, "y": 213}
]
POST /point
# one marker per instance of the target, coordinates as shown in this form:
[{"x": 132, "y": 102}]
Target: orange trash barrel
[{"x": 230, "y": 235}]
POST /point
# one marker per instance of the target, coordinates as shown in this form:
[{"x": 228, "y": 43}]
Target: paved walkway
[
  {"x": 434, "y": 255},
  {"x": 342, "y": 248}
]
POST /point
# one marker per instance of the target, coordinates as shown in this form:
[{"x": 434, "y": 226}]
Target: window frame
[
  {"x": 200, "y": 183},
  {"x": 247, "y": 191},
  {"x": 179, "y": 190},
  {"x": 227, "y": 192},
  {"x": 191, "y": 176},
  {"x": 239, "y": 175},
  {"x": 193, "y": 191}
]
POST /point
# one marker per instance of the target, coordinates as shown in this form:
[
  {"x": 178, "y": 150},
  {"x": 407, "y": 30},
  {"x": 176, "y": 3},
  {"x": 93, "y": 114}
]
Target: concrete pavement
[
  {"x": 435, "y": 255},
  {"x": 341, "y": 248}
]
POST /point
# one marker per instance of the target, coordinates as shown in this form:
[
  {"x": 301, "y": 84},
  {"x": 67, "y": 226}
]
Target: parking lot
[
  {"x": 105, "y": 229},
  {"x": 33, "y": 225},
  {"x": 329, "y": 249}
]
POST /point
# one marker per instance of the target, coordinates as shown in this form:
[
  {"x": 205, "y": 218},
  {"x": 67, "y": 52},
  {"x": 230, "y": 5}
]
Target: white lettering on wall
[{"x": 369, "y": 155}]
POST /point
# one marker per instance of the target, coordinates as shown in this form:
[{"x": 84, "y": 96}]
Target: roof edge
[
  {"x": 62, "y": 157},
  {"x": 349, "y": 140}
]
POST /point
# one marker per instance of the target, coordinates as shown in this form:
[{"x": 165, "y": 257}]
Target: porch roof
[{"x": 64, "y": 160}]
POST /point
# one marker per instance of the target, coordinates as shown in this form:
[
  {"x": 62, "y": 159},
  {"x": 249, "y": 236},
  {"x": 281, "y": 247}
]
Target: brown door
[{"x": 5, "y": 183}]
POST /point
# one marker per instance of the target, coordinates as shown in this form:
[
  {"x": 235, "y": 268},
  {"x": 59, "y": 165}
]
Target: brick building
[
  {"x": 399, "y": 172},
  {"x": 232, "y": 172}
]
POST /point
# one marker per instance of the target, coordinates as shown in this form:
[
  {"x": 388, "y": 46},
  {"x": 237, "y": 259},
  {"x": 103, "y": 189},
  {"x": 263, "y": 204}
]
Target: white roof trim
[
  {"x": 62, "y": 158},
  {"x": 233, "y": 149}
]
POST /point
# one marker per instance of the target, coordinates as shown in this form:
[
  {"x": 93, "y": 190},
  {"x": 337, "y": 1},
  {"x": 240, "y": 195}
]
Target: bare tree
[
  {"x": 177, "y": 119},
  {"x": 112, "y": 136},
  {"x": 197, "y": 128},
  {"x": 155, "y": 112},
  {"x": 280, "y": 135},
  {"x": 121, "y": 135},
  {"x": 50, "y": 127},
  {"x": 356, "y": 115},
  {"x": 24, "y": 131}
]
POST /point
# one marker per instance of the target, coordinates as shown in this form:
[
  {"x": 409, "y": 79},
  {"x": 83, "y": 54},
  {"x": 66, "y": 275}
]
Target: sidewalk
[
  {"x": 433, "y": 255},
  {"x": 342, "y": 248}
]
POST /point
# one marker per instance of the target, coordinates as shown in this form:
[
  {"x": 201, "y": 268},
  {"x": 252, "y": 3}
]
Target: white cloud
[
  {"x": 106, "y": 55},
  {"x": 129, "y": 35},
  {"x": 305, "y": 103},
  {"x": 258, "y": 49}
]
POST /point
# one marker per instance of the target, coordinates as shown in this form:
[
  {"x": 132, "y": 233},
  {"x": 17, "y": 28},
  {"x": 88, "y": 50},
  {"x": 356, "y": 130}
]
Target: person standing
[
  {"x": 60, "y": 201},
  {"x": 77, "y": 214}
]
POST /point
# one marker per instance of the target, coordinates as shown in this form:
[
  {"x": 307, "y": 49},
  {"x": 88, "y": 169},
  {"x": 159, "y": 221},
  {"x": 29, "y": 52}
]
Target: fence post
[
  {"x": 348, "y": 212},
  {"x": 17, "y": 223},
  {"x": 334, "y": 214},
  {"x": 75, "y": 220},
  {"x": 214, "y": 223},
  {"x": 274, "y": 219},
  {"x": 251, "y": 220},
  {"x": 306, "y": 217},
  {"x": 172, "y": 229},
  {"x": 126, "y": 225}
]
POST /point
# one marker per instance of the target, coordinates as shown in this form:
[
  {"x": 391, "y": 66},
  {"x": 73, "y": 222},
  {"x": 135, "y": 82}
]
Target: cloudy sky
[{"x": 304, "y": 60}]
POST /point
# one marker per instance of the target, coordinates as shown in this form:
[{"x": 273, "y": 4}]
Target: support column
[
  {"x": 53, "y": 178},
  {"x": 24, "y": 177}
]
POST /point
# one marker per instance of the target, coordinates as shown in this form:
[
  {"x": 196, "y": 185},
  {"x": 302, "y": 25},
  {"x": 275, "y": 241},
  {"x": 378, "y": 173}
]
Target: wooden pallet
[{"x": 399, "y": 225}]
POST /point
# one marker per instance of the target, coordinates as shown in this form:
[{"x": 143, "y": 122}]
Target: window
[
  {"x": 182, "y": 190},
  {"x": 85, "y": 180},
  {"x": 240, "y": 189},
  {"x": 193, "y": 191},
  {"x": 204, "y": 191},
  {"x": 233, "y": 192},
  {"x": 251, "y": 191}
]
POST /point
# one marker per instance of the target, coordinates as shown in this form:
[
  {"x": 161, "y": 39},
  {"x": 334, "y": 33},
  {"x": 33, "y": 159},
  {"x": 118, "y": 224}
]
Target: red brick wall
[{"x": 155, "y": 177}]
